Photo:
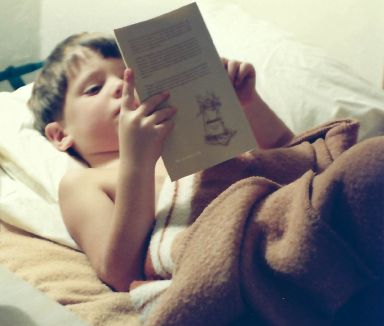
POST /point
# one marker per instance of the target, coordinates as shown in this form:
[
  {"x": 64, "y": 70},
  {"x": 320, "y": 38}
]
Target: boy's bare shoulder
[{"x": 88, "y": 177}]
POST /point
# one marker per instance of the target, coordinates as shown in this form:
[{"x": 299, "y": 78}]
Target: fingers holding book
[
  {"x": 243, "y": 78},
  {"x": 143, "y": 125}
]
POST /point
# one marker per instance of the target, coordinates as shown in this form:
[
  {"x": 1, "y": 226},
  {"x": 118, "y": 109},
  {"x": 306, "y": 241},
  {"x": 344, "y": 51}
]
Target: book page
[{"x": 174, "y": 52}]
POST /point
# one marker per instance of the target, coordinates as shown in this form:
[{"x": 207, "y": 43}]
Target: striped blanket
[
  {"x": 291, "y": 236},
  {"x": 276, "y": 237}
]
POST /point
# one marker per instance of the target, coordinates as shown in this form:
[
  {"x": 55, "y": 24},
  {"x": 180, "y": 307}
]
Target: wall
[
  {"x": 351, "y": 31},
  {"x": 19, "y": 33},
  {"x": 86, "y": 15}
]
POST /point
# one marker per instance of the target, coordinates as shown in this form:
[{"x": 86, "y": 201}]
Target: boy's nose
[{"x": 118, "y": 89}]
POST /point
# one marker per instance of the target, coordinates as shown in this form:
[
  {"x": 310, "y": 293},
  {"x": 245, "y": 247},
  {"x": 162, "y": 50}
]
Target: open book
[{"x": 174, "y": 52}]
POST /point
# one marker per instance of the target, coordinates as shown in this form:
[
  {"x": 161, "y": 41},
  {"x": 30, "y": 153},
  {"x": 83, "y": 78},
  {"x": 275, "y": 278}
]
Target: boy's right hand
[{"x": 142, "y": 129}]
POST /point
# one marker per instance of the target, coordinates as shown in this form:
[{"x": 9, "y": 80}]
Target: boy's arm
[
  {"x": 269, "y": 130},
  {"x": 112, "y": 233},
  {"x": 133, "y": 219}
]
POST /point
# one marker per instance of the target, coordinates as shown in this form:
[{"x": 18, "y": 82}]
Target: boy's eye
[{"x": 92, "y": 90}]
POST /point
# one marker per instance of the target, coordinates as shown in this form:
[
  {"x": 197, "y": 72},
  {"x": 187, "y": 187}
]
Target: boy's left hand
[{"x": 243, "y": 78}]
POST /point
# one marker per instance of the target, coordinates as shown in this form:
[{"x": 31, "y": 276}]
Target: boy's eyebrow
[{"x": 84, "y": 78}]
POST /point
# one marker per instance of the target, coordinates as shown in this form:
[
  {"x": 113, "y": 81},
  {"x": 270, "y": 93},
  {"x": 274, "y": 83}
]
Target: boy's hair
[{"x": 50, "y": 86}]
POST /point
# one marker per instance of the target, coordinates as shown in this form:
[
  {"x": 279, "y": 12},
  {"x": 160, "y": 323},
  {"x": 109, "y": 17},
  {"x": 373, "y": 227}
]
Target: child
[{"x": 84, "y": 102}]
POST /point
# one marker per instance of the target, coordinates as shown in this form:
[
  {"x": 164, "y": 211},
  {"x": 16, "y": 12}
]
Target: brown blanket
[{"x": 292, "y": 236}]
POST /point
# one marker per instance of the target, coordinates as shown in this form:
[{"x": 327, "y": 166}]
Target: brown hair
[{"x": 50, "y": 86}]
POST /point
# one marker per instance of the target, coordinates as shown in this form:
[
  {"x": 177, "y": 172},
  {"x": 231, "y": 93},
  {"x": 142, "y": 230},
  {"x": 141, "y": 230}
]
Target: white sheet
[
  {"x": 299, "y": 82},
  {"x": 31, "y": 172},
  {"x": 22, "y": 305}
]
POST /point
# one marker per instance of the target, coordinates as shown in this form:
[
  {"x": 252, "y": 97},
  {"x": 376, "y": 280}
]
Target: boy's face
[{"x": 92, "y": 103}]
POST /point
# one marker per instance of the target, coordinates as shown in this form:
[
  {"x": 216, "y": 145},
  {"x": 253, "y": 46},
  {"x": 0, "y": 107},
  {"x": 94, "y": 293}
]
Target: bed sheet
[{"x": 21, "y": 305}]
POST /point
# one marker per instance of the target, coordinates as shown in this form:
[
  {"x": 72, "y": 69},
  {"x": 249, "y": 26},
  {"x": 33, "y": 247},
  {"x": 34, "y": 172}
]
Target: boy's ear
[{"x": 58, "y": 137}]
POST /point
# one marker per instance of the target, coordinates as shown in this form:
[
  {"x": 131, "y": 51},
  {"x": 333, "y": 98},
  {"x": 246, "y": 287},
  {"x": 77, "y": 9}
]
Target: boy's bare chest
[{"x": 109, "y": 177}]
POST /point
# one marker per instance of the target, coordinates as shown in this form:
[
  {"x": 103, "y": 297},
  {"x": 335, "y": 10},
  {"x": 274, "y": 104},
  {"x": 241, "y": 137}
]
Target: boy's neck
[{"x": 100, "y": 160}]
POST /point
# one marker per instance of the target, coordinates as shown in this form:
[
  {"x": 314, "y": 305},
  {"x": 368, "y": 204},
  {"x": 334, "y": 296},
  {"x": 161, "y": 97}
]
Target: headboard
[{"x": 13, "y": 74}]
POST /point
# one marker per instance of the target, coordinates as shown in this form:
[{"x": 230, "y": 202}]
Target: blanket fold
[
  {"x": 272, "y": 234},
  {"x": 296, "y": 268}
]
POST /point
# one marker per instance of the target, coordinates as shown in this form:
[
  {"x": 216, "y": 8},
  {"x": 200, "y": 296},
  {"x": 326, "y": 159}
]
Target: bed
[{"x": 300, "y": 83}]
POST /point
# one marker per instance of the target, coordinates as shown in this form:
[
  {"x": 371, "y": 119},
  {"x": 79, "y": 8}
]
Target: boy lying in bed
[{"x": 84, "y": 102}]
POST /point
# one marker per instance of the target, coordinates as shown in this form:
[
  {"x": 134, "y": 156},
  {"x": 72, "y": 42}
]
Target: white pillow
[
  {"x": 298, "y": 81},
  {"x": 302, "y": 85},
  {"x": 31, "y": 171},
  {"x": 306, "y": 88}
]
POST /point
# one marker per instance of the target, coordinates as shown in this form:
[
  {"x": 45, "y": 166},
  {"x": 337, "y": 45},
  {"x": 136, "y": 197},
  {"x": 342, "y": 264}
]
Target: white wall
[
  {"x": 19, "y": 33},
  {"x": 351, "y": 31},
  {"x": 89, "y": 15}
]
